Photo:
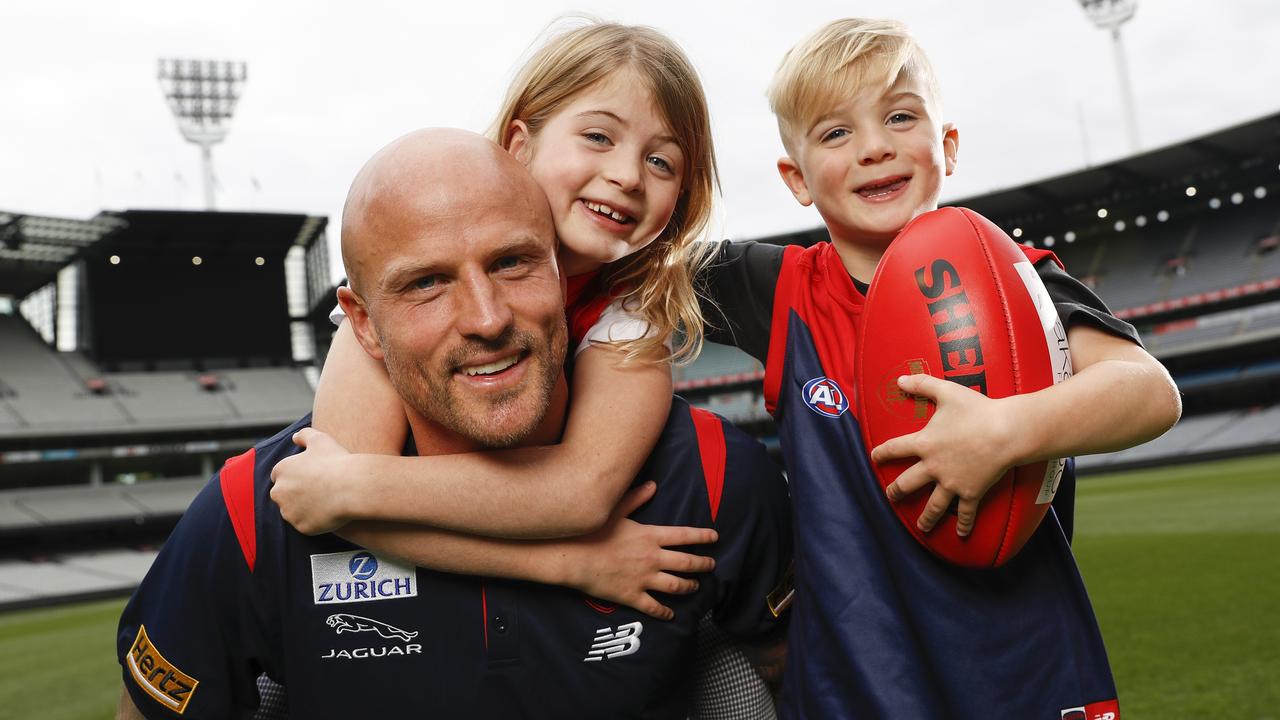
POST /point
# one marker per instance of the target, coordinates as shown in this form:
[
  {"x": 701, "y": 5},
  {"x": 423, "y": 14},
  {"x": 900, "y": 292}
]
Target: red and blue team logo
[{"x": 825, "y": 397}]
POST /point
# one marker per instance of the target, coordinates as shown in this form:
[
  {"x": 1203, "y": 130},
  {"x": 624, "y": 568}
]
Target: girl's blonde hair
[{"x": 657, "y": 280}]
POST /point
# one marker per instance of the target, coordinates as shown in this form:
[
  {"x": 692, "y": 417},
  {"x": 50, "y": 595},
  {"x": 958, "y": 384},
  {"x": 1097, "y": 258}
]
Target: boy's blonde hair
[
  {"x": 658, "y": 279},
  {"x": 834, "y": 63}
]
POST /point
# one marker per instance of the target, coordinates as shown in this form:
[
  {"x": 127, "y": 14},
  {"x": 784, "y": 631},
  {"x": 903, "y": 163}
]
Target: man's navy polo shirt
[{"x": 236, "y": 592}]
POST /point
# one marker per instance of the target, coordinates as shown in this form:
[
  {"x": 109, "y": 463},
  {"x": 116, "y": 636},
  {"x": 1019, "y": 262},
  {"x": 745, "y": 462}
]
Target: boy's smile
[
  {"x": 884, "y": 189},
  {"x": 872, "y": 163}
]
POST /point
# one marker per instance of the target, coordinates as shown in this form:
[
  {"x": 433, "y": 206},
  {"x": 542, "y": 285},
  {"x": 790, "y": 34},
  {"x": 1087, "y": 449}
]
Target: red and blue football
[{"x": 954, "y": 297}]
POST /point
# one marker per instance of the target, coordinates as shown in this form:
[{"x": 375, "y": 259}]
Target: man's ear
[
  {"x": 358, "y": 315},
  {"x": 794, "y": 178},
  {"x": 520, "y": 141},
  {"x": 950, "y": 146}
]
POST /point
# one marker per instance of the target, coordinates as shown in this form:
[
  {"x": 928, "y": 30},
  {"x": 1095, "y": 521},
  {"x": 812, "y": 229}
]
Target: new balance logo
[{"x": 610, "y": 643}]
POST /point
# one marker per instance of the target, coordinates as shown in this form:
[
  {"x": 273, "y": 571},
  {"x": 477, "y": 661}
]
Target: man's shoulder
[
  {"x": 708, "y": 430},
  {"x": 724, "y": 478},
  {"x": 238, "y": 496},
  {"x": 280, "y": 445},
  {"x": 735, "y": 467},
  {"x": 263, "y": 456},
  {"x": 251, "y": 469}
]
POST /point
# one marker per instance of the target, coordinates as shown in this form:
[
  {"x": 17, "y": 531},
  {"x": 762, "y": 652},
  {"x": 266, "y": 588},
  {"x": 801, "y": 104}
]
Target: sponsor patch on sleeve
[{"x": 160, "y": 678}]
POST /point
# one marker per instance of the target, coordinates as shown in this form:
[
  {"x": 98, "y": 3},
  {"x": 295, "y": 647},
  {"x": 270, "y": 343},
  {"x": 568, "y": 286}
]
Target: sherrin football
[{"x": 956, "y": 298}]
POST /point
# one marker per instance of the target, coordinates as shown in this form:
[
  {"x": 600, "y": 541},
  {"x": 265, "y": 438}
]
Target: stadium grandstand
[
  {"x": 141, "y": 348},
  {"x": 138, "y": 350}
]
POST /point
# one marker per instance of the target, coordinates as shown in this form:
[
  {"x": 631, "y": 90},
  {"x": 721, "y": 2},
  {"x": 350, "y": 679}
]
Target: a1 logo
[{"x": 825, "y": 397}]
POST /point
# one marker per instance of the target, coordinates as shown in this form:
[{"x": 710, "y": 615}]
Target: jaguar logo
[{"x": 342, "y": 622}]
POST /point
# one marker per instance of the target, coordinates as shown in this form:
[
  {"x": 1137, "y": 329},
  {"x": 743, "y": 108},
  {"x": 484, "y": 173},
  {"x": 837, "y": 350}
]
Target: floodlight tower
[
  {"x": 1110, "y": 15},
  {"x": 202, "y": 95}
]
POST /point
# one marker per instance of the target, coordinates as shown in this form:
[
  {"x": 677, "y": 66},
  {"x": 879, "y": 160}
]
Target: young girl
[{"x": 612, "y": 123}]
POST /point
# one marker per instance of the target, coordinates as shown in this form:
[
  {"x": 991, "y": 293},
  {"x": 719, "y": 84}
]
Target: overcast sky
[{"x": 1030, "y": 83}]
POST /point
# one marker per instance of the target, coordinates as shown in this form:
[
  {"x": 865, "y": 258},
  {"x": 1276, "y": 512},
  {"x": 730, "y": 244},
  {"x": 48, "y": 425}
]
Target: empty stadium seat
[
  {"x": 89, "y": 574},
  {"x": 1198, "y": 435},
  {"x": 83, "y": 504},
  {"x": 278, "y": 394},
  {"x": 43, "y": 393}
]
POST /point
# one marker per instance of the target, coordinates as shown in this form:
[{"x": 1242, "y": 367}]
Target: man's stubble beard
[{"x": 485, "y": 421}]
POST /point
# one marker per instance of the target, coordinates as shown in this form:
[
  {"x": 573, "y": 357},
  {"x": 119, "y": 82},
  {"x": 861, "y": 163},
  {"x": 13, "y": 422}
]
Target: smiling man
[
  {"x": 466, "y": 311},
  {"x": 454, "y": 286}
]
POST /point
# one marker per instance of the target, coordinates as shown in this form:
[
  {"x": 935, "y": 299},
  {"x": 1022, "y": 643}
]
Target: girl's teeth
[{"x": 607, "y": 211}]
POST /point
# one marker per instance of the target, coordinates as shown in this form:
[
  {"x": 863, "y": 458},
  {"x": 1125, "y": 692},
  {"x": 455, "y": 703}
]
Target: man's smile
[{"x": 492, "y": 368}]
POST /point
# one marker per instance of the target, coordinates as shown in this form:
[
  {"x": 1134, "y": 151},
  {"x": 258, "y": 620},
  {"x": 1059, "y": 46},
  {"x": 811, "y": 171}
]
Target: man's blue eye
[
  {"x": 426, "y": 282},
  {"x": 507, "y": 263}
]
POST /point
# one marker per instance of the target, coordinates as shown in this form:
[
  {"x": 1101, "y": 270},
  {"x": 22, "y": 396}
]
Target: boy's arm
[
  {"x": 737, "y": 288},
  {"x": 623, "y": 562},
  {"x": 562, "y": 490},
  {"x": 1120, "y": 396}
]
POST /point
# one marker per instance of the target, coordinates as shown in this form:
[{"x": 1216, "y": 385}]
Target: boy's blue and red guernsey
[{"x": 881, "y": 627}]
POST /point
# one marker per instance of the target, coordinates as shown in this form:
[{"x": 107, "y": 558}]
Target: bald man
[
  {"x": 503, "y": 302},
  {"x": 450, "y": 250}
]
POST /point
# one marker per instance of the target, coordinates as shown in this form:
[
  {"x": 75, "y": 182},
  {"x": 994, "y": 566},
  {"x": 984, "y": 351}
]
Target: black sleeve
[
  {"x": 1076, "y": 303},
  {"x": 736, "y": 290},
  {"x": 188, "y": 638},
  {"x": 755, "y": 537}
]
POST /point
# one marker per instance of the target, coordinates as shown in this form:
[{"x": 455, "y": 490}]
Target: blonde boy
[{"x": 882, "y": 628}]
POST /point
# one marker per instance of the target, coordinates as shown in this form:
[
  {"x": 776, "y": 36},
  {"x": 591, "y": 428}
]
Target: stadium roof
[
  {"x": 1210, "y": 160},
  {"x": 257, "y": 233},
  {"x": 33, "y": 249}
]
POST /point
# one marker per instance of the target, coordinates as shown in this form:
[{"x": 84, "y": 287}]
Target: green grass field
[
  {"x": 60, "y": 663},
  {"x": 1183, "y": 565}
]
